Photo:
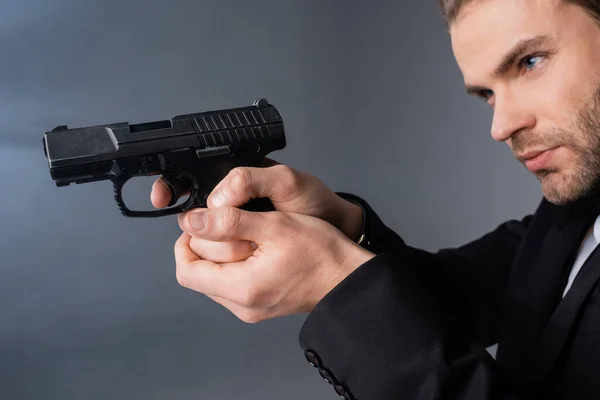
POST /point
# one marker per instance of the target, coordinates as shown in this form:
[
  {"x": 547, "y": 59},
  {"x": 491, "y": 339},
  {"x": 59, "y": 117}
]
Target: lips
[
  {"x": 536, "y": 160},
  {"x": 530, "y": 154}
]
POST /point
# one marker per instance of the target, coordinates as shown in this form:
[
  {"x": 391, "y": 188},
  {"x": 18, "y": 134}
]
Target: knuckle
[
  {"x": 180, "y": 267},
  {"x": 288, "y": 177},
  {"x": 249, "y": 297},
  {"x": 228, "y": 219},
  {"x": 250, "y": 316},
  {"x": 241, "y": 179},
  {"x": 196, "y": 246},
  {"x": 177, "y": 249},
  {"x": 181, "y": 279}
]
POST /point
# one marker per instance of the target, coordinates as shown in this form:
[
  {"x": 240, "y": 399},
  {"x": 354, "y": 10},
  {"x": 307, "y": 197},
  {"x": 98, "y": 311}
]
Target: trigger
[
  {"x": 174, "y": 195},
  {"x": 175, "y": 185}
]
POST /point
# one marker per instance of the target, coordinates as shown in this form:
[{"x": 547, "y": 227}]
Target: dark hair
[{"x": 451, "y": 8}]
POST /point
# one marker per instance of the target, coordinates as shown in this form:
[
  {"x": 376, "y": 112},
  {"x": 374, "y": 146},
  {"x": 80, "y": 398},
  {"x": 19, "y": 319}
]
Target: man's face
[{"x": 537, "y": 64}]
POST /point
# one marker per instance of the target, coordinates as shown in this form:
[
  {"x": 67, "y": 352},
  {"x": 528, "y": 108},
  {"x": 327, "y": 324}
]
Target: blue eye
[
  {"x": 531, "y": 61},
  {"x": 485, "y": 94}
]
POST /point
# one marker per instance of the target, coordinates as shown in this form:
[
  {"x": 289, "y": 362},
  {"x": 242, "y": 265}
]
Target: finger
[
  {"x": 160, "y": 196},
  {"x": 222, "y": 252},
  {"x": 242, "y": 184},
  {"x": 183, "y": 252},
  {"x": 231, "y": 223},
  {"x": 205, "y": 276},
  {"x": 184, "y": 222}
]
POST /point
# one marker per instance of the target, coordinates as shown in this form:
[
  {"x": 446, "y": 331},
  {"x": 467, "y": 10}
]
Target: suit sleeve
[{"x": 414, "y": 324}]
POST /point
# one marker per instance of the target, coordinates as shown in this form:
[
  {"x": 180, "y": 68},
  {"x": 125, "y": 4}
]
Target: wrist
[
  {"x": 354, "y": 257},
  {"x": 348, "y": 259}
]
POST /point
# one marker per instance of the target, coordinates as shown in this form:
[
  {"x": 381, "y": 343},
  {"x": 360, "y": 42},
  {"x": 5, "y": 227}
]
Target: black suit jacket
[{"x": 412, "y": 324}]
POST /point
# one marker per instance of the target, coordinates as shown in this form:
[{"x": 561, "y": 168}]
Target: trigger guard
[
  {"x": 118, "y": 184},
  {"x": 197, "y": 199}
]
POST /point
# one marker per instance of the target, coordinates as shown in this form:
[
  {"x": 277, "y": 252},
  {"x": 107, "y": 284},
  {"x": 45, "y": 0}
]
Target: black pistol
[{"x": 193, "y": 153}]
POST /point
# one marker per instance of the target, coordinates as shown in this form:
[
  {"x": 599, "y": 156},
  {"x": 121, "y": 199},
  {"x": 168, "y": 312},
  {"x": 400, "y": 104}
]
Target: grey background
[{"x": 373, "y": 104}]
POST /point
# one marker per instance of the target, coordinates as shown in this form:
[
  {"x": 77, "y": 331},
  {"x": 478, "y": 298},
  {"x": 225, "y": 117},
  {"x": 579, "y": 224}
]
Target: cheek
[
  {"x": 572, "y": 79},
  {"x": 566, "y": 156},
  {"x": 557, "y": 95}
]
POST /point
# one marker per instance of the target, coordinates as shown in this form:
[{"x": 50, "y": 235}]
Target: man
[{"x": 389, "y": 321}]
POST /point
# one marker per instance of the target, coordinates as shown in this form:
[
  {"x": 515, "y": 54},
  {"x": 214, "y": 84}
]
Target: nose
[{"x": 510, "y": 117}]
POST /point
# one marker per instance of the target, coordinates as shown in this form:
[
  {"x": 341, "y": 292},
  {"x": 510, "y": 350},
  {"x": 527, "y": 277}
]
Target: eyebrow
[{"x": 513, "y": 55}]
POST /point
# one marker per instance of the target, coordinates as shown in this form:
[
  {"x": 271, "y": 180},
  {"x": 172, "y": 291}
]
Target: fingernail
[
  {"x": 198, "y": 220},
  {"x": 253, "y": 245},
  {"x": 217, "y": 199}
]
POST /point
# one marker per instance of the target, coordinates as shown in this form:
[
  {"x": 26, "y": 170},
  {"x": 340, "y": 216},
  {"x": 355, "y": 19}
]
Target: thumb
[
  {"x": 226, "y": 224},
  {"x": 243, "y": 184}
]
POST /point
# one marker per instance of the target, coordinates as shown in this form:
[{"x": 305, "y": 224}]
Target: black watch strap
[{"x": 363, "y": 239}]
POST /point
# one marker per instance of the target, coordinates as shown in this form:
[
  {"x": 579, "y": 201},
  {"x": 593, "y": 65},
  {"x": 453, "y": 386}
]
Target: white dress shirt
[{"x": 589, "y": 244}]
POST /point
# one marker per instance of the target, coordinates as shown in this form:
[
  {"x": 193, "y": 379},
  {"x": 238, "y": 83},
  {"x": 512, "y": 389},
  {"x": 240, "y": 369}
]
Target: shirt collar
[{"x": 597, "y": 229}]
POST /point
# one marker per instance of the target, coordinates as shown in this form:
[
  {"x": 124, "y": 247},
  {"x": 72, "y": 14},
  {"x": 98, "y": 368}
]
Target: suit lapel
[
  {"x": 537, "y": 278},
  {"x": 535, "y": 288},
  {"x": 556, "y": 333}
]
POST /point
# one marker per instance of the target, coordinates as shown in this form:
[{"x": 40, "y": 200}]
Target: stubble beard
[{"x": 565, "y": 187}]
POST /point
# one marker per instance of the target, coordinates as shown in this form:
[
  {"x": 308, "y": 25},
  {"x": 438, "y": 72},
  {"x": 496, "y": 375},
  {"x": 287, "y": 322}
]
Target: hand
[
  {"x": 288, "y": 189},
  {"x": 298, "y": 259}
]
